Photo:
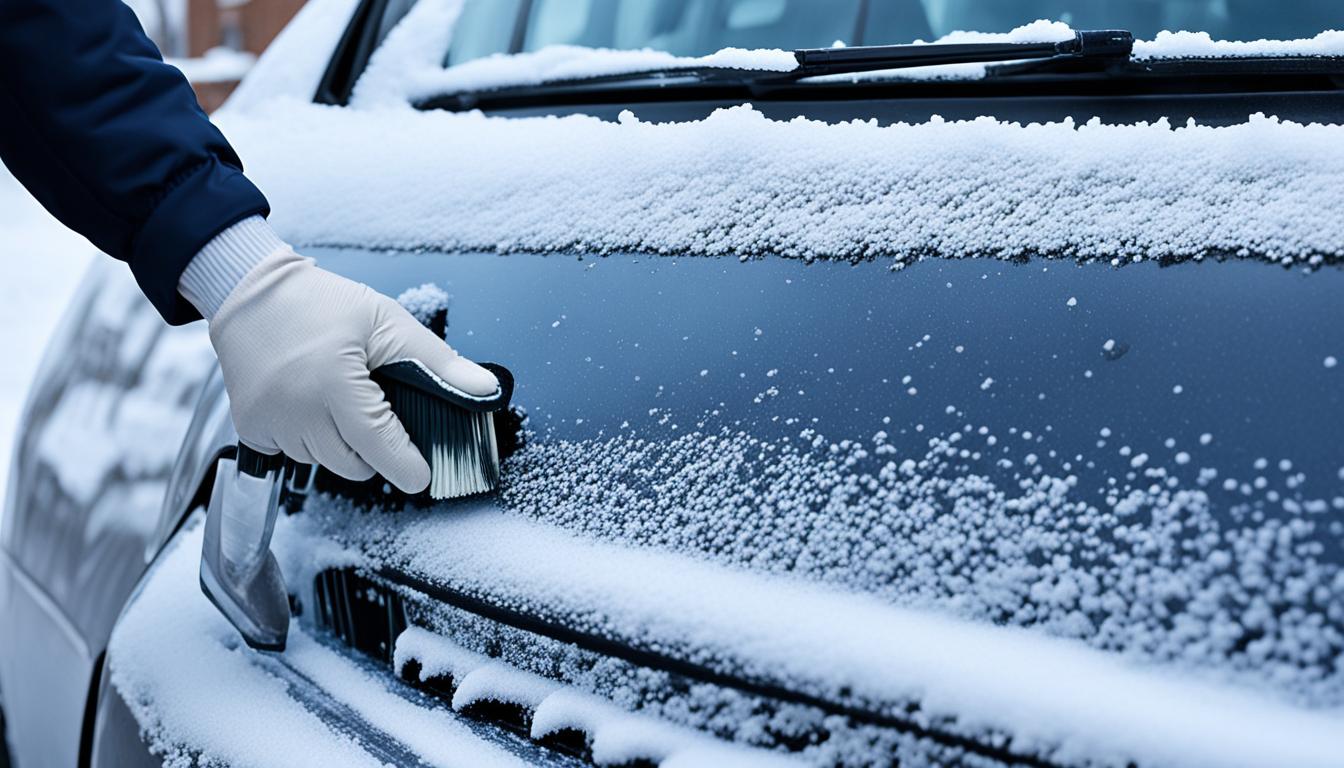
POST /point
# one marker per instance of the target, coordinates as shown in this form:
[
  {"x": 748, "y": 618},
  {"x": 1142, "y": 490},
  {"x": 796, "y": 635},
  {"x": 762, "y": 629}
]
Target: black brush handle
[
  {"x": 256, "y": 463},
  {"x": 406, "y": 373}
]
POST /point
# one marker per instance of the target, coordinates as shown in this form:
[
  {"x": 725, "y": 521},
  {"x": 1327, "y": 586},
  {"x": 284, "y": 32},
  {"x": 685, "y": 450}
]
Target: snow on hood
[
  {"x": 1038, "y": 688},
  {"x": 739, "y": 184}
]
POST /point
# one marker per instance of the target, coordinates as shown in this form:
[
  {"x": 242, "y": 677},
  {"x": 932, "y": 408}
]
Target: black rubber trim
[
  {"x": 351, "y": 55},
  {"x": 657, "y": 661},
  {"x": 5, "y": 762},
  {"x": 90, "y": 723}
]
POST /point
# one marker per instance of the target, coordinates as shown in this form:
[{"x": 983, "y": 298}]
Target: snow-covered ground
[{"x": 43, "y": 262}]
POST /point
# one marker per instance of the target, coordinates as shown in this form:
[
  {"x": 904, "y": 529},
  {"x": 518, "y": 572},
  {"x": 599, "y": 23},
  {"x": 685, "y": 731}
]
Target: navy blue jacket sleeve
[{"x": 110, "y": 139}]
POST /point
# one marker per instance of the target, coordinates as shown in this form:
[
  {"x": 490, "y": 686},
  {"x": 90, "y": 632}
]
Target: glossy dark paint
[{"x": 638, "y": 332}]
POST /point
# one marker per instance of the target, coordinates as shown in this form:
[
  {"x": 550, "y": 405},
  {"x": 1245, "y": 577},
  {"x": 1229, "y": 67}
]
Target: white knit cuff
[{"x": 216, "y": 269}]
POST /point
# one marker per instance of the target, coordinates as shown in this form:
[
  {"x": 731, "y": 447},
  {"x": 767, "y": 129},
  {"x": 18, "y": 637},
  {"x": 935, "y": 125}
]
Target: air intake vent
[{"x": 365, "y": 616}]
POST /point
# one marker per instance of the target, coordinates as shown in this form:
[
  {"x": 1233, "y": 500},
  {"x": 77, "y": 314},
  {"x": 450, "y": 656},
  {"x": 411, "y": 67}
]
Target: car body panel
[
  {"x": 47, "y": 668},
  {"x": 108, "y": 409}
]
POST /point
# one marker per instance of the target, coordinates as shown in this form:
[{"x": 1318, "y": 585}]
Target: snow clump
[{"x": 425, "y": 301}]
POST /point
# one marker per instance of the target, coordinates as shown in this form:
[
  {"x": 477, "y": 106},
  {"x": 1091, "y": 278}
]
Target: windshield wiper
[
  {"x": 1088, "y": 44},
  {"x": 1104, "y": 46}
]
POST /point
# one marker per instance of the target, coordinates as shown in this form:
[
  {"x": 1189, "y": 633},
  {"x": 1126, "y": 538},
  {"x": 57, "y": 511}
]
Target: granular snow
[
  {"x": 843, "y": 644},
  {"x": 813, "y": 190}
]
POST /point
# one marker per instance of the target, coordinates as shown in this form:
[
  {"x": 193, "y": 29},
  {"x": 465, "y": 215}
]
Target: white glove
[{"x": 296, "y": 344}]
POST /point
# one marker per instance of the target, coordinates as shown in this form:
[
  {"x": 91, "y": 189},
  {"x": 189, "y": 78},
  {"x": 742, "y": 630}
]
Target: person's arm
[{"x": 111, "y": 141}]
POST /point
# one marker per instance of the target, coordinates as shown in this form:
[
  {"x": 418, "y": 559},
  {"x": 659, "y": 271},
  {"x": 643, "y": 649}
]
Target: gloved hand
[{"x": 296, "y": 344}]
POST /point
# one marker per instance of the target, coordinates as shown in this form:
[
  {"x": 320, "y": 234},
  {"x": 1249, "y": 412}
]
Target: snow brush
[{"x": 453, "y": 430}]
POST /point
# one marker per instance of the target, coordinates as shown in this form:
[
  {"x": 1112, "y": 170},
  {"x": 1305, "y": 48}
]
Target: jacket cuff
[
  {"x": 198, "y": 206},
  {"x": 224, "y": 261}
]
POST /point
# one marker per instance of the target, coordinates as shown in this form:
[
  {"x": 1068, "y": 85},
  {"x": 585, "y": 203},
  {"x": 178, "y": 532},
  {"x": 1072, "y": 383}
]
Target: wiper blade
[
  {"x": 1086, "y": 44},
  {"x": 1103, "y": 46}
]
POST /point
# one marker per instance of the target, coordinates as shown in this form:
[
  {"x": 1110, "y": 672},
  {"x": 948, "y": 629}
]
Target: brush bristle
[{"x": 459, "y": 445}]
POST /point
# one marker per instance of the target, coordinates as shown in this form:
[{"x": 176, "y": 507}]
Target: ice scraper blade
[{"x": 238, "y": 571}]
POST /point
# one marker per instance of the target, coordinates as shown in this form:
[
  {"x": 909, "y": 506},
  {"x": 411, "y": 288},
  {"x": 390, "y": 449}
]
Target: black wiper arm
[{"x": 1099, "y": 44}]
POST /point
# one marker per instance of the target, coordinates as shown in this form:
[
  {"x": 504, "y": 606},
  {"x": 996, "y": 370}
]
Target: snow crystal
[
  {"x": 1073, "y": 301},
  {"x": 581, "y": 184}
]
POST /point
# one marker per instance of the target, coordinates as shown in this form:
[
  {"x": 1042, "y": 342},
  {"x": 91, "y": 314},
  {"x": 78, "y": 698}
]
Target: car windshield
[{"x": 700, "y": 27}]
